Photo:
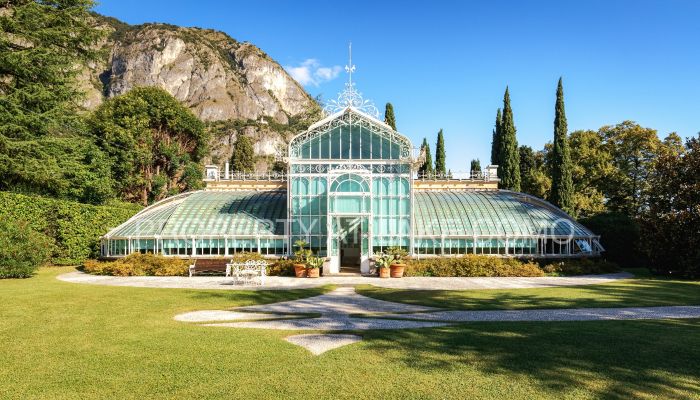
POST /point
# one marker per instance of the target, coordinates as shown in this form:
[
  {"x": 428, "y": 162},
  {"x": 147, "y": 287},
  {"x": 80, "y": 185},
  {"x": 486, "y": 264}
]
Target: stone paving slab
[
  {"x": 221, "y": 315},
  {"x": 321, "y": 343},
  {"x": 342, "y": 301},
  {"x": 285, "y": 283},
  {"x": 331, "y": 323},
  {"x": 575, "y": 314}
]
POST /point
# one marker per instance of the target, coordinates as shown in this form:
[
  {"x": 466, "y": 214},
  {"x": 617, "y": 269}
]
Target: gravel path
[
  {"x": 285, "y": 283},
  {"x": 337, "y": 308},
  {"x": 574, "y": 314}
]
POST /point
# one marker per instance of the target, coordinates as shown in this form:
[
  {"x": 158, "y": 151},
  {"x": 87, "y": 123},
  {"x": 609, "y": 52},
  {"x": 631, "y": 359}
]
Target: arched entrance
[{"x": 349, "y": 214}]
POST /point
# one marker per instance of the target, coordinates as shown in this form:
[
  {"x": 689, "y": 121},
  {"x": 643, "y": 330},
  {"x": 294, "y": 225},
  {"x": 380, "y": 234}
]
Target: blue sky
[{"x": 446, "y": 64}]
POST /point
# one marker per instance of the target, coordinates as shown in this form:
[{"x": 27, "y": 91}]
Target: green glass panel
[
  {"x": 335, "y": 144},
  {"x": 366, "y": 138},
  {"x": 345, "y": 143}
]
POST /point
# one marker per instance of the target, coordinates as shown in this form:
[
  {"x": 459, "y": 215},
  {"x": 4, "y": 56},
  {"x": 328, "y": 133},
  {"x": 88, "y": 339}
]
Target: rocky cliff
[{"x": 234, "y": 86}]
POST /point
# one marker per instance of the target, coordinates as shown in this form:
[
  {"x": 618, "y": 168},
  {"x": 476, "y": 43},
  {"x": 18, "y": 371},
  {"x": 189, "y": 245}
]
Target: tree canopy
[
  {"x": 562, "y": 185},
  {"x": 243, "y": 158},
  {"x": 389, "y": 117},
  {"x": 43, "y": 45},
  {"x": 427, "y": 168},
  {"x": 496, "y": 139},
  {"x": 440, "y": 162},
  {"x": 508, "y": 155},
  {"x": 155, "y": 143}
]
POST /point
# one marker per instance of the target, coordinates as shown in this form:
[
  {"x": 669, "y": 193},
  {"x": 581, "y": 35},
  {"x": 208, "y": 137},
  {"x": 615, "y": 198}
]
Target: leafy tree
[
  {"x": 427, "y": 168},
  {"x": 509, "y": 156},
  {"x": 496, "y": 139},
  {"x": 671, "y": 223},
  {"x": 440, "y": 166},
  {"x": 535, "y": 180},
  {"x": 562, "y": 186},
  {"x": 389, "y": 117},
  {"x": 155, "y": 143},
  {"x": 43, "y": 45},
  {"x": 591, "y": 167},
  {"x": 243, "y": 158},
  {"x": 22, "y": 249},
  {"x": 71, "y": 168},
  {"x": 475, "y": 167},
  {"x": 633, "y": 150}
]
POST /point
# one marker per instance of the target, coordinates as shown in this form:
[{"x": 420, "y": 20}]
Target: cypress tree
[
  {"x": 243, "y": 158},
  {"x": 475, "y": 167},
  {"x": 562, "y": 185},
  {"x": 496, "y": 139},
  {"x": 440, "y": 167},
  {"x": 389, "y": 117},
  {"x": 427, "y": 168},
  {"x": 509, "y": 157}
]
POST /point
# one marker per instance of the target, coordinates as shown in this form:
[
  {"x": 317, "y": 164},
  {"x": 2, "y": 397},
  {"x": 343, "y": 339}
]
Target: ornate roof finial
[{"x": 350, "y": 97}]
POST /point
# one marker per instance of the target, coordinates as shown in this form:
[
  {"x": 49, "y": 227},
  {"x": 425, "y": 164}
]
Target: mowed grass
[
  {"x": 625, "y": 293},
  {"x": 70, "y": 341}
]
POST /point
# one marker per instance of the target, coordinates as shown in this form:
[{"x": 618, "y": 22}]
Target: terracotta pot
[
  {"x": 397, "y": 270},
  {"x": 300, "y": 270},
  {"x": 383, "y": 272},
  {"x": 313, "y": 272}
]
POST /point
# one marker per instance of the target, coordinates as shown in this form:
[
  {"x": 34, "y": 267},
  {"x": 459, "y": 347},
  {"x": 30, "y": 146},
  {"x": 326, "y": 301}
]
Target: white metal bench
[{"x": 251, "y": 271}]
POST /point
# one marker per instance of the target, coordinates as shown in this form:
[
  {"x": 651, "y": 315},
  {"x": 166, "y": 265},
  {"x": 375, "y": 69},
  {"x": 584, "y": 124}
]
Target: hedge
[
  {"x": 487, "y": 266},
  {"x": 471, "y": 265},
  {"x": 74, "y": 229},
  {"x": 157, "y": 265},
  {"x": 139, "y": 264}
]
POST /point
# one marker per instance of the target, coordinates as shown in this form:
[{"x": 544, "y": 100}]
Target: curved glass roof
[
  {"x": 489, "y": 213},
  {"x": 208, "y": 213},
  {"x": 437, "y": 213}
]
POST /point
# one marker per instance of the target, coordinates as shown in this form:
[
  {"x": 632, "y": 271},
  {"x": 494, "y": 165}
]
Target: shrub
[
  {"x": 281, "y": 267},
  {"x": 139, "y": 264},
  {"x": 73, "y": 229},
  {"x": 471, "y": 265},
  {"x": 22, "y": 249},
  {"x": 247, "y": 256},
  {"x": 582, "y": 266}
]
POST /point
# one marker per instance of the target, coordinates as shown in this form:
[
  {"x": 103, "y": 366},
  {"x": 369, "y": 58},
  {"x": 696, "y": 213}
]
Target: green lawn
[
  {"x": 627, "y": 293},
  {"x": 61, "y": 340}
]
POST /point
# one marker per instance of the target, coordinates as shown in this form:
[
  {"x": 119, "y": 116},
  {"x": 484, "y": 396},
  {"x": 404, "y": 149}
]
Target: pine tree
[
  {"x": 427, "y": 168},
  {"x": 475, "y": 167},
  {"x": 389, "y": 117},
  {"x": 42, "y": 44},
  {"x": 562, "y": 184},
  {"x": 496, "y": 139},
  {"x": 243, "y": 158},
  {"x": 509, "y": 157},
  {"x": 440, "y": 167}
]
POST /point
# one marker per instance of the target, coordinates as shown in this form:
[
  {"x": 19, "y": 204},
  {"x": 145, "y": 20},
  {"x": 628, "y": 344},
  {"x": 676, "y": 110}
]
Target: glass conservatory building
[{"x": 352, "y": 189}]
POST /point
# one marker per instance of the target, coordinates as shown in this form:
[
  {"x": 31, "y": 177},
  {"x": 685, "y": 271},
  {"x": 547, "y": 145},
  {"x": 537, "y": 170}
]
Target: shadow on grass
[
  {"x": 628, "y": 294},
  {"x": 253, "y": 297},
  {"x": 612, "y": 359}
]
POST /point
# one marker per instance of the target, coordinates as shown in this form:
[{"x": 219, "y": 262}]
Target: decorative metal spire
[
  {"x": 350, "y": 97},
  {"x": 350, "y": 67}
]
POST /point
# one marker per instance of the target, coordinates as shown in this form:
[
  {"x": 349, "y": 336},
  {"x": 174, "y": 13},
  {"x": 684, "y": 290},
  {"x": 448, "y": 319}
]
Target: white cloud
[{"x": 310, "y": 72}]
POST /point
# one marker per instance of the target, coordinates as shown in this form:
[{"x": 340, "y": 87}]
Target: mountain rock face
[{"x": 217, "y": 77}]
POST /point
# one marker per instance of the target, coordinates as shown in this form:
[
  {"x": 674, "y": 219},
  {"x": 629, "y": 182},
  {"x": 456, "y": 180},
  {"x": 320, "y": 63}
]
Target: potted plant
[
  {"x": 313, "y": 267},
  {"x": 383, "y": 262},
  {"x": 397, "y": 265},
  {"x": 300, "y": 257}
]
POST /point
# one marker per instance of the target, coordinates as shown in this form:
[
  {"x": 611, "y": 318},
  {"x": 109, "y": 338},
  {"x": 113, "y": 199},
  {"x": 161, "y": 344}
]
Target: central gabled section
[
  {"x": 350, "y": 135},
  {"x": 349, "y": 188}
]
